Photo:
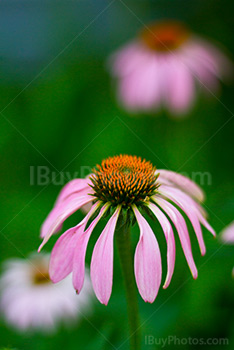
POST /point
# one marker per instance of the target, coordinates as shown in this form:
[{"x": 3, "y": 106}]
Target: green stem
[{"x": 124, "y": 248}]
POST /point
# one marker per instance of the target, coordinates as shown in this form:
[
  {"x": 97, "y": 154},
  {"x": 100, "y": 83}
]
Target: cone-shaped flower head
[
  {"x": 129, "y": 187},
  {"x": 124, "y": 180},
  {"x": 163, "y": 65}
]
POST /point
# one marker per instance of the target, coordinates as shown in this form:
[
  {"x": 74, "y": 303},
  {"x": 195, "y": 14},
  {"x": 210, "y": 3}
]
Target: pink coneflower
[
  {"x": 227, "y": 236},
  {"x": 29, "y": 300},
  {"x": 122, "y": 187},
  {"x": 162, "y": 67}
]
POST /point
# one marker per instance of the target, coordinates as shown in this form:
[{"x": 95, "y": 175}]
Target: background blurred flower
[
  {"x": 227, "y": 235},
  {"x": 126, "y": 185},
  {"x": 29, "y": 300},
  {"x": 162, "y": 66}
]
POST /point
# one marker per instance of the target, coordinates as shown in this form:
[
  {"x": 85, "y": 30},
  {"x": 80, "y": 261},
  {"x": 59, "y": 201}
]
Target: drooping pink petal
[
  {"x": 140, "y": 90},
  {"x": 80, "y": 252},
  {"x": 179, "y": 86},
  {"x": 169, "y": 235},
  {"x": 62, "y": 255},
  {"x": 186, "y": 204},
  {"x": 129, "y": 58},
  {"x": 227, "y": 235},
  {"x": 200, "y": 70},
  {"x": 182, "y": 230},
  {"x": 181, "y": 181},
  {"x": 59, "y": 214},
  {"x": 73, "y": 186},
  {"x": 204, "y": 222},
  {"x": 210, "y": 57},
  {"x": 193, "y": 206},
  {"x": 102, "y": 261},
  {"x": 147, "y": 261},
  {"x": 61, "y": 261},
  {"x": 82, "y": 192}
]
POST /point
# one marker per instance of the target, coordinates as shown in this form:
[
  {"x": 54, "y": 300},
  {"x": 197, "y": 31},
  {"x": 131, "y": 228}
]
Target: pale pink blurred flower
[
  {"x": 163, "y": 66},
  {"x": 30, "y": 301},
  {"x": 227, "y": 235},
  {"x": 124, "y": 185}
]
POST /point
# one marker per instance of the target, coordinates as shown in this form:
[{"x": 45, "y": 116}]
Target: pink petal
[
  {"x": 181, "y": 181},
  {"x": 80, "y": 252},
  {"x": 102, "y": 261},
  {"x": 204, "y": 222},
  {"x": 128, "y": 58},
  {"x": 227, "y": 235},
  {"x": 73, "y": 189},
  {"x": 62, "y": 255},
  {"x": 73, "y": 186},
  {"x": 85, "y": 208},
  {"x": 194, "y": 207},
  {"x": 168, "y": 232},
  {"x": 76, "y": 187},
  {"x": 147, "y": 261},
  {"x": 200, "y": 70},
  {"x": 210, "y": 57},
  {"x": 61, "y": 260},
  {"x": 182, "y": 230},
  {"x": 140, "y": 90},
  {"x": 179, "y": 90},
  {"x": 59, "y": 214},
  {"x": 186, "y": 204}
]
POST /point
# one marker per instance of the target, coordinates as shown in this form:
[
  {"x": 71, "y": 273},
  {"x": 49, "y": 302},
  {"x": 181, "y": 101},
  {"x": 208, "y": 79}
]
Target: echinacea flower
[
  {"x": 123, "y": 186},
  {"x": 163, "y": 65},
  {"x": 30, "y": 301},
  {"x": 227, "y": 237}
]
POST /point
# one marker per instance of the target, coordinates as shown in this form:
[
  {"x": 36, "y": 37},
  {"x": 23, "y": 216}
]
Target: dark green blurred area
[{"x": 59, "y": 110}]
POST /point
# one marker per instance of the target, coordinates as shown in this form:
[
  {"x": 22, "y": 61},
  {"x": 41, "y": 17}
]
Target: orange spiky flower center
[
  {"x": 164, "y": 36},
  {"x": 124, "y": 180}
]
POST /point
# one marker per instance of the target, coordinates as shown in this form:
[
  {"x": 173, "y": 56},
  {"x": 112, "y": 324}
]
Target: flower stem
[{"x": 124, "y": 248}]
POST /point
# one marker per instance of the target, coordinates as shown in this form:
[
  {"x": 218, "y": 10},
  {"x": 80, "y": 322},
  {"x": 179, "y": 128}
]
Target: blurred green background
[{"x": 58, "y": 110}]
